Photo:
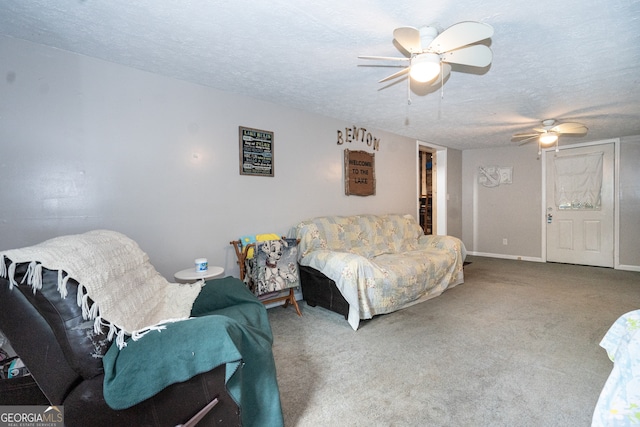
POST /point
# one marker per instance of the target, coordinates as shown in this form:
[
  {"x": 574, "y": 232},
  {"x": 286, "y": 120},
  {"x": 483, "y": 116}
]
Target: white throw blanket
[{"x": 130, "y": 296}]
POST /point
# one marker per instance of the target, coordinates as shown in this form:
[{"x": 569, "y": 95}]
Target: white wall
[{"x": 87, "y": 144}]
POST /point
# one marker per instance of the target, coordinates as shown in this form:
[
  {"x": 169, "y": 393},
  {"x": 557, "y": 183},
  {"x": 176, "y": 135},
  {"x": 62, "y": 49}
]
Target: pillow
[{"x": 276, "y": 266}]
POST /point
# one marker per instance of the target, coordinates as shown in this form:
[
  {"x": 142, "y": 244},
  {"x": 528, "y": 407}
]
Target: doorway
[
  {"x": 579, "y": 205},
  {"x": 426, "y": 199},
  {"x": 438, "y": 185}
]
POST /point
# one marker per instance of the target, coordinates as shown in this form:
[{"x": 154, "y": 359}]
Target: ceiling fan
[
  {"x": 430, "y": 54},
  {"x": 550, "y": 132}
]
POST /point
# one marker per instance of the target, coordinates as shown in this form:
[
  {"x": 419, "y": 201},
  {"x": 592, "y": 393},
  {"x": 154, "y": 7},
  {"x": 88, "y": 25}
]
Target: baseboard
[
  {"x": 536, "y": 259},
  {"x": 628, "y": 267},
  {"x": 503, "y": 256}
]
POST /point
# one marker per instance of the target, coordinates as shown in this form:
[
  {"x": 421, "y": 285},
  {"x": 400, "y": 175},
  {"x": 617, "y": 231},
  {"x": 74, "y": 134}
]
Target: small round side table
[{"x": 190, "y": 275}]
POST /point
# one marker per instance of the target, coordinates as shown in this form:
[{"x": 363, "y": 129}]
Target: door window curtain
[{"x": 578, "y": 181}]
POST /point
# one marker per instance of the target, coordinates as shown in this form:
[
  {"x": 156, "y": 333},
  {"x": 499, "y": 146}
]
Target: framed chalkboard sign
[{"x": 256, "y": 152}]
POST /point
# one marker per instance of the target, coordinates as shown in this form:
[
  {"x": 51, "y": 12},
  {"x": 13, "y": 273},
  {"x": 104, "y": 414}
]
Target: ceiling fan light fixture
[
  {"x": 548, "y": 138},
  {"x": 425, "y": 67}
]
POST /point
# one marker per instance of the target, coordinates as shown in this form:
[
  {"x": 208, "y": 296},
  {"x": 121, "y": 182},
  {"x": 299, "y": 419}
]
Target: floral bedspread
[
  {"x": 619, "y": 402},
  {"x": 380, "y": 263}
]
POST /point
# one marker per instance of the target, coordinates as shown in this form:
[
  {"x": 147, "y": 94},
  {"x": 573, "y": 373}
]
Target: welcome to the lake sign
[{"x": 359, "y": 173}]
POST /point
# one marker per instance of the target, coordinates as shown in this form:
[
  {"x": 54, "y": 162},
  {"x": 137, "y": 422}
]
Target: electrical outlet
[{"x": 504, "y": 241}]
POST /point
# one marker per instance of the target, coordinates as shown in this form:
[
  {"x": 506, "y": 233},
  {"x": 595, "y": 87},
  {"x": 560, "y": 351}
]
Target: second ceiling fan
[
  {"x": 429, "y": 54},
  {"x": 549, "y": 133}
]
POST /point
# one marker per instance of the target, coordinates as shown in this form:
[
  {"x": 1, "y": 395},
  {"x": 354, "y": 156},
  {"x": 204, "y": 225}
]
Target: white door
[{"x": 580, "y": 203}]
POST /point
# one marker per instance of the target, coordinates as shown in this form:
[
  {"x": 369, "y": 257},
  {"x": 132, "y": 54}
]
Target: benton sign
[
  {"x": 356, "y": 134},
  {"x": 359, "y": 173}
]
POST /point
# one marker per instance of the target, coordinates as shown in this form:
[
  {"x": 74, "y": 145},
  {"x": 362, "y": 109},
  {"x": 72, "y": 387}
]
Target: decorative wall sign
[
  {"x": 356, "y": 134},
  {"x": 359, "y": 173},
  {"x": 256, "y": 152},
  {"x": 493, "y": 176}
]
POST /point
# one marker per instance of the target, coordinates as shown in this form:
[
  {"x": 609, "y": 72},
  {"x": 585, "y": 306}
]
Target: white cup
[{"x": 201, "y": 265}]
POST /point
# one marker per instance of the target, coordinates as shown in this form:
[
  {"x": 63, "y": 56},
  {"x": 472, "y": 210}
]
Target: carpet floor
[{"x": 515, "y": 345}]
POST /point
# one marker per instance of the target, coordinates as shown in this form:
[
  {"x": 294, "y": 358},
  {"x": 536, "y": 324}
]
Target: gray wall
[
  {"x": 629, "y": 193},
  {"x": 513, "y": 211},
  {"x": 509, "y": 211},
  {"x": 454, "y": 193},
  {"x": 87, "y": 144}
]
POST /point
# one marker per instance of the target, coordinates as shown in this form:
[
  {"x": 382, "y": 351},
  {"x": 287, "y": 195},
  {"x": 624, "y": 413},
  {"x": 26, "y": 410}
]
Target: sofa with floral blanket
[{"x": 365, "y": 265}]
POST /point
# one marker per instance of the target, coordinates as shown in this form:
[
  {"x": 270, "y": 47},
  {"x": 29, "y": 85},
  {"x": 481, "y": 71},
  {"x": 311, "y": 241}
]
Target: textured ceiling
[{"x": 573, "y": 60}]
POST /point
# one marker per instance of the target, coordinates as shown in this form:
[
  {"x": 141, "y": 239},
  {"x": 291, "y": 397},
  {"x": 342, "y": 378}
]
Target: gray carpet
[{"x": 515, "y": 345}]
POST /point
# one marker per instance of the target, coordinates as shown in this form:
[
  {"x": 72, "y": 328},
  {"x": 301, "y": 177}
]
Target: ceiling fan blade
[
  {"x": 408, "y": 38},
  {"x": 526, "y": 136},
  {"x": 576, "y": 129},
  {"x": 394, "y": 75},
  {"x": 459, "y": 35},
  {"x": 476, "y": 56},
  {"x": 528, "y": 140},
  {"x": 385, "y": 58}
]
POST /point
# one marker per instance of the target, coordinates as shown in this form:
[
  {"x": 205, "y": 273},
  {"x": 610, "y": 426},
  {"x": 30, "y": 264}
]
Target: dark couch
[{"x": 64, "y": 356}]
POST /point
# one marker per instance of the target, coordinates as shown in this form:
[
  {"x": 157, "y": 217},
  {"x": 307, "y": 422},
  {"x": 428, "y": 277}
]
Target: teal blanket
[{"x": 229, "y": 326}]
